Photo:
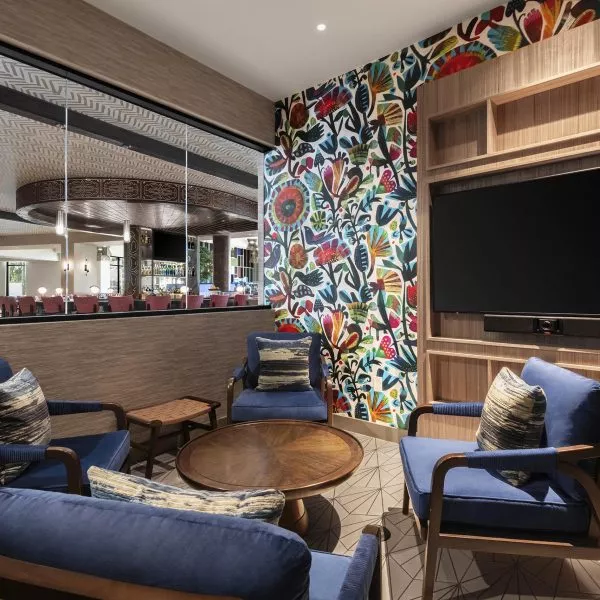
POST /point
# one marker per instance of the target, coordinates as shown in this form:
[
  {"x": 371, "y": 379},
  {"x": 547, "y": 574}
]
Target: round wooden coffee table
[{"x": 297, "y": 457}]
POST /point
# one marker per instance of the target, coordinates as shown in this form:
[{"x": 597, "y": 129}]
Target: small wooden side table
[{"x": 176, "y": 412}]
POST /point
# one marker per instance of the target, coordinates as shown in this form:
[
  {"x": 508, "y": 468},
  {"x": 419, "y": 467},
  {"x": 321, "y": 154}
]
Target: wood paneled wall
[
  {"x": 79, "y": 36},
  {"x": 132, "y": 361},
  {"x": 543, "y": 116}
]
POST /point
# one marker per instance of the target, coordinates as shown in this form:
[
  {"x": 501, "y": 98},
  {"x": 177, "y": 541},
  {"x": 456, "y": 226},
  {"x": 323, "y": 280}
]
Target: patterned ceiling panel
[
  {"x": 33, "y": 151},
  {"x": 8, "y": 227},
  {"x": 38, "y": 83}
]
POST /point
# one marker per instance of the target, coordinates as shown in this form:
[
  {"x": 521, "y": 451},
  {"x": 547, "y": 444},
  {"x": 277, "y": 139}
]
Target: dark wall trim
[
  {"x": 125, "y": 315},
  {"x": 78, "y": 77}
]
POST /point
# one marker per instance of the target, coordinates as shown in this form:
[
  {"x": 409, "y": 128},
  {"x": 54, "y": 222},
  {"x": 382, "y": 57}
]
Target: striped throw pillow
[
  {"x": 263, "y": 505},
  {"x": 284, "y": 365},
  {"x": 512, "y": 419},
  {"x": 24, "y": 418}
]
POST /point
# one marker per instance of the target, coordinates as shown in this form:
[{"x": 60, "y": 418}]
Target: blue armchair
[
  {"x": 129, "y": 550},
  {"x": 254, "y": 405},
  {"x": 460, "y": 501},
  {"x": 62, "y": 465}
]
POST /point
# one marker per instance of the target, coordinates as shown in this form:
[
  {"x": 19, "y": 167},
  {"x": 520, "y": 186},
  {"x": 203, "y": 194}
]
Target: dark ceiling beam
[{"x": 36, "y": 109}]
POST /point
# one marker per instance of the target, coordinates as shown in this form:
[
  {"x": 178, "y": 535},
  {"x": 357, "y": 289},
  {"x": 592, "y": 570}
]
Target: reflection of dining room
[{"x": 126, "y": 210}]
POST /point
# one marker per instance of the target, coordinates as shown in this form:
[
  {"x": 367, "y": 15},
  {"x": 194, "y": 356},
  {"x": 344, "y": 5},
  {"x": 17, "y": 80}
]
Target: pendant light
[
  {"x": 60, "y": 222},
  {"x": 126, "y": 231}
]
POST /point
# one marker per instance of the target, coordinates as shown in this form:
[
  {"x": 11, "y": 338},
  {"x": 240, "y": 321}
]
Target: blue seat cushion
[
  {"x": 483, "y": 498},
  {"x": 314, "y": 356},
  {"x": 252, "y": 405},
  {"x": 572, "y": 411},
  {"x": 327, "y": 574},
  {"x": 5, "y": 371},
  {"x": 106, "y": 450},
  {"x": 165, "y": 548}
]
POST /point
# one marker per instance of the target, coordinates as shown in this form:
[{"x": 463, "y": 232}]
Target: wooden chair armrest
[
  {"x": 72, "y": 464},
  {"x": 230, "y": 389},
  {"x": 414, "y": 417},
  {"x": 327, "y": 390},
  {"x": 119, "y": 413}
]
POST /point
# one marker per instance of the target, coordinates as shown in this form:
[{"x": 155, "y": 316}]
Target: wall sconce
[
  {"x": 42, "y": 291},
  {"x": 95, "y": 290},
  {"x": 86, "y": 268},
  {"x": 126, "y": 231},
  {"x": 58, "y": 291}
]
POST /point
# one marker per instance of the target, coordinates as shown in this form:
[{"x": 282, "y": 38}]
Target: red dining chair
[
  {"x": 241, "y": 299},
  {"x": 85, "y": 304},
  {"x": 53, "y": 305},
  {"x": 120, "y": 303},
  {"x": 26, "y": 305},
  {"x": 219, "y": 300},
  {"x": 193, "y": 301},
  {"x": 158, "y": 302},
  {"x": 8, "y": 306}
]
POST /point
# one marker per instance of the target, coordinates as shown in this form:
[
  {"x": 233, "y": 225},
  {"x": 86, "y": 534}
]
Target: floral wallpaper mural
[{"x": 340, "y": 195}]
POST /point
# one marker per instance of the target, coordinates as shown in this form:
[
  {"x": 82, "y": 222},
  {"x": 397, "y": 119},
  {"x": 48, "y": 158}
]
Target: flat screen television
[
  {"x": 168, "y": 246},
  {"x": 529, "y": 248}
]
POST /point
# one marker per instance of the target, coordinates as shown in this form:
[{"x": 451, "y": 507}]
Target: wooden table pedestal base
[{"x": 294, "y": 517}]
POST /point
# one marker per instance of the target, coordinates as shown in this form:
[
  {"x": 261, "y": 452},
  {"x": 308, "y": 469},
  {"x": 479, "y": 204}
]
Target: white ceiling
[{"x": 273, "y": 47}]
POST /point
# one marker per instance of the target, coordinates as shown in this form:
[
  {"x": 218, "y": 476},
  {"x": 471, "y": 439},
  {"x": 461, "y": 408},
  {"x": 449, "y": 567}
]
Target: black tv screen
[
  {"x": 530, "y": 248},
  {"x": 168, "y": 246}
]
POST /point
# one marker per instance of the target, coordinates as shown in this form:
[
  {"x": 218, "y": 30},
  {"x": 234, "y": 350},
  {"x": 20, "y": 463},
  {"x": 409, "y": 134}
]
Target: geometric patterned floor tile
[{"x": 373, "y": 495}]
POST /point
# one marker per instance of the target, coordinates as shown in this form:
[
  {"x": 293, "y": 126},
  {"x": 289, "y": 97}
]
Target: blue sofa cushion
[
  {"x": 5, "y": 371},
  {"x": 572, "y": 411},
  {"x": 106, "y": 450},
  {"x": 483, "y": 498},
  {"x": 327, "y": 574},
  {"x": 252, "y": 405},
  {"x": 165, "y": 548},
  {"x": 253, "y": 364}
]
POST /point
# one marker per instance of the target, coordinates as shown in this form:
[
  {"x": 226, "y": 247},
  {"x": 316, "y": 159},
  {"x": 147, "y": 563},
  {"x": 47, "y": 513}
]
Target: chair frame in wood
[
  {"x": 438, "y": 535},
  {"x": 326, "y": 391}
]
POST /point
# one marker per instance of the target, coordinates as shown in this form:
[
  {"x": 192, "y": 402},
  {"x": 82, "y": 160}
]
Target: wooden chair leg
[
  {"x": 429, "y": 567},
  {"x": 405, "y": 501},
  {"x": 154, "y": 431}
]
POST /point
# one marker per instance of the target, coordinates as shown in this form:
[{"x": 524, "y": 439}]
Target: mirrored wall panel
[{"x": 108, "y": 206}]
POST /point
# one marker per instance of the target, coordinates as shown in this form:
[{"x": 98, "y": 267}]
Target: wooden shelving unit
[{"x": 530, "y": 113}]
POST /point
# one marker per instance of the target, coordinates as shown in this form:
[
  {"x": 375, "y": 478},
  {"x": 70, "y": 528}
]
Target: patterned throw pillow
[
  {"x": 264, "y": 505},
  {"x": 24, "y": 418},
  {"x": 284, "y": 365},
  {"x": 512, "y": 419}
]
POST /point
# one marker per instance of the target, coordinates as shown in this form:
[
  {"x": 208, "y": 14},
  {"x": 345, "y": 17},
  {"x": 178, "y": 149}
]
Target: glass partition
[{"x": 108, "y": 206}]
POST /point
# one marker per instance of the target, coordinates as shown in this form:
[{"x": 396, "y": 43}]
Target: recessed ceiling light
[{"x": 321, "y": 27}]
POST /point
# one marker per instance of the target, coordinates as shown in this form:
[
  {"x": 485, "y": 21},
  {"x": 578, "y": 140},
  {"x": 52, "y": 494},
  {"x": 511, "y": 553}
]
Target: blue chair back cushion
[
  {"x": 572, "y": 411},
  {"x": 253, "y": 356},
  {"x": 482, "y": 498},
  {"x": 165, "y": 548},
  {"x": 5, "y": 371}
]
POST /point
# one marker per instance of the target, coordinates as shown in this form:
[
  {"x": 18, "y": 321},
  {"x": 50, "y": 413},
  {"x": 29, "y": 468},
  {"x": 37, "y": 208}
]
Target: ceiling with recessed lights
[{"x": 273, "y": 46}]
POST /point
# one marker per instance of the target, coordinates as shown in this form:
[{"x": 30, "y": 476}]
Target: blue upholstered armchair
[
  {"x": 254, "y": 405},
  {"x": 460, "y": 501},
  {"x": 62, "y": 465},
  {"x": 130, "y": 550}
]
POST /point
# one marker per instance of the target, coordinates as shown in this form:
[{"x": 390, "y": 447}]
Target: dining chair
[
  {"x": 120, "y": 303},
  {"x": 26, "y": 305},
  {"x": 53, "y": 305},
  {"x": 158, "y": 302},
  {"x": 219, "y": 300},
  {"x": 8, "y": 306},
  {"x": 86, "y": 304},
  {"x": 241, "y": 299},
  {"x": 192, "y": 301}
]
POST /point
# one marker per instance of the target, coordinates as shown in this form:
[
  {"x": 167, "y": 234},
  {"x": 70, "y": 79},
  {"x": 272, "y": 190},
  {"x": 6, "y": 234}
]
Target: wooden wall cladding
[
  {"x": 132, "y": 361},
  {"x": 542, "y": 110},
  {"x": 81, "y": 37}
]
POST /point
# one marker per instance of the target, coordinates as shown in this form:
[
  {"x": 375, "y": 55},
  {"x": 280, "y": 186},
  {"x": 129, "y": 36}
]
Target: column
[{"x": 221, "y": 261}]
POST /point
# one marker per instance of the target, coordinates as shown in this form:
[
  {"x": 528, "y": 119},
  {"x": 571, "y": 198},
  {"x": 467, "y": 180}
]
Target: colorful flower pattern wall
[{"x": 340, "y": 203}]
